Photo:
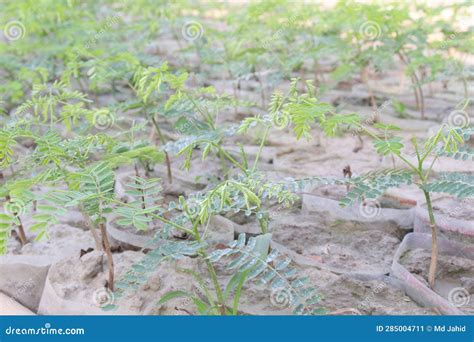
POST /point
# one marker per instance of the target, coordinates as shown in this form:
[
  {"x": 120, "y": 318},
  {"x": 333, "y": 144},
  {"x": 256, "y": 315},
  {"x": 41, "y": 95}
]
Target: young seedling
[
  {"x": 246, "y": 191},
  {"x": 448, "y": 140},
  {"x": 147, "y": 82},
  {"x": 250, "y": 260}
]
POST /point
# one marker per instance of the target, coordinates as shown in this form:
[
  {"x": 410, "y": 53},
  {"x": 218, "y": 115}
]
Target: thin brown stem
[
  {"x": 92, "y": 228},
  {"x": 420, "y": 101},
  {"x": 108, "y": 252},
  {"x": 347, "y": 172},
  {"x": 373, "y": 102},
  {"x": 21, "y": 233},
  {"x": 360, "y": 145},
  {"x": 168, "y": 167},
  {"x": 434, "y": 241}
]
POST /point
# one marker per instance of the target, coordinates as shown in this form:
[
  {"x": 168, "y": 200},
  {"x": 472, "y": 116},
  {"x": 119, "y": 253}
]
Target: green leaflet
[
  {"x": 374, "y": 184},
  {"x": 173, "y": 294},
  {"x": 388, "y": 146},
  {"x": 273, "y": 269},
  {"x": 456, "y": 184}
]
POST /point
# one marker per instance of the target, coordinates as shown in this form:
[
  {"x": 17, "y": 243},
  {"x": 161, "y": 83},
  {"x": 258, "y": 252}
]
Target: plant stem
[
  {"x": 422, "y": 98},
  {"x": 434, "y": 233},
  {"x": 142, "y": 197},
  {"x": 108, "y": 252},
  {"x": 262, "y": 90},
  {"x": 220, "y": 296},
  {"x": 225, "y": 169},
  {"x": 21, "y": 230},
  {"x": 212, "y": 271},
  {"x": 263, "y": 222},
  {"x": 406, "y": 161},
  {"x": 262, "y": 144},
  {"x": 206, "y": 116},
  {"x": 373, "y": 102},
  {"x": 231, "y": 159},
  {"x": 162, "y": 219},
  {"x": 168, "y": 166},
  {"x": 434, "y": 241},
  {"x": 92, "y": 228},
  {"x": 465, "y": 87},
  {"x": 420, "y": 101},
  {"x": 21, "y": 233},
  {"x": 162, "y": 140},
  {"x": 86, "y": 217}
]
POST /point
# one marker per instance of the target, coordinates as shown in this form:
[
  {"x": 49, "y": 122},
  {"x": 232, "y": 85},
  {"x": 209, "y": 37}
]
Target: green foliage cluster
[{"x": 79, "y": 97}]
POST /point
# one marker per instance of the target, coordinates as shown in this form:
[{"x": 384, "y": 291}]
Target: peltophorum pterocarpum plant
[
  {"x": 247, "y": 191},
  {"x": 90, "y": 109},
  {"x": 418, "y": 168},
  {"x": 165, "y": 95},
  {"x": 247, "y": 260},
  {"x": 64, "y": 167}
]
